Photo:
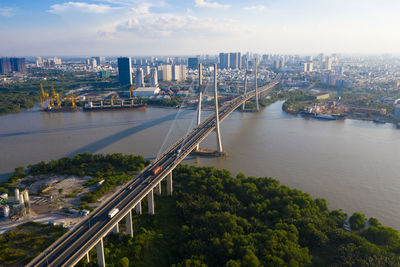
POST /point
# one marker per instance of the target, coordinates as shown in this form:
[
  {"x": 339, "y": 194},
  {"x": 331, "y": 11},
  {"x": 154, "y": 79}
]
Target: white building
[
  {"x": 147, "y": 91},
  {"x": 139, "y": 81},
  {"x": 93, "y": 63},
  {"x": 153, "y": 77},
  {"x": 179, "y": 73},
  {"x": 307, "y": 66},
  {"x": 165, "y": 72}
]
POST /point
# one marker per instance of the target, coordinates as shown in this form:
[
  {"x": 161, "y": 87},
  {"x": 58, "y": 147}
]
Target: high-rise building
[
  {"x": 153, "y": 77},
  {"x": 39, "y": 62},
  {"x": 179, "y": 73},
  {"x": 146, "y": 70},
  {"x": 234, "y": 60},
  {"x": 5, "y": 65},
  {"x": 18, "y": 64},
  {"x": 165, "y": 72},
  {"x": 124, "y": 70},
  {"x": 307, "y": 66},
  {"x": 93, "y": 63},
  {"x": 139, "y": 80},
  {"x": 99, "y": 60},
  {"x": 193, "y": 63},
  {"x": 57, "y": 61},
  {"x": 279, "y": 63},
  {"x": 328, "y": 63},
  {"x": 13, "y": 64},
  {"x": 224, "y": 60}
]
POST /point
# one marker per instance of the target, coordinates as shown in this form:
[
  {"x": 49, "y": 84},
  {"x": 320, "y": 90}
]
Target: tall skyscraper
[
  {"x": 224, "y": 60},
  {"x": 178, "y": 73},
  {"x": 124, "y": 70},
  {"x": 39, "y": 62},
  {"x": 153, "y": 77},
  {"x": 13, "y": 64},
  {"x": 328, "y": 63},
  {"x": 57, "y": 61},
  {"x": 18, "y": 64},
  {"x": 93, "y": 63},
  {"x": 307, "y": 66},
  {"x": 5, "y": 65},
  {"x": 193, "y": 63},
  {"x": 234, "y": 60},
  {"x": 165, "y": 72},
  {"x": 139, "y": 81}
]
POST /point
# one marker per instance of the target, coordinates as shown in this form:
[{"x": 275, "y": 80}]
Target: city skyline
[{"x": 171, "y": 27}]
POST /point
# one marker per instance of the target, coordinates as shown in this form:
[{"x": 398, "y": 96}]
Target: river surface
[{"x": 353, "y": 164}]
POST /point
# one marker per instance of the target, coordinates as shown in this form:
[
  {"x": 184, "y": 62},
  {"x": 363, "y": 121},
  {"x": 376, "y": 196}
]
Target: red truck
[{"x": 156, "y": 170}]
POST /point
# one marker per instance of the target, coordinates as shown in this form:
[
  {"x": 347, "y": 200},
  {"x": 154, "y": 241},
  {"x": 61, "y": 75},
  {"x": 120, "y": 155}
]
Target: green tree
[{"x": 357, "y": 221}]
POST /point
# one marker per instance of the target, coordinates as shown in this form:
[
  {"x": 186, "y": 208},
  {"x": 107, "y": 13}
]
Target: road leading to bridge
[{"x": 74, "y": 245}]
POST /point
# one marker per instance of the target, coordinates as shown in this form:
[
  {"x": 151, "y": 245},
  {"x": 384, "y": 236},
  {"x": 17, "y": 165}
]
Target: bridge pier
[
  {"x": 87, "y": 257},
  {"x": 169, "y": 184},
  {"x": 158, "y": 189},
  {"x": 115, "y": 230},
  {"x": 129, "y": 226},
  {"x": 150, "y": 199},
  {"x": 101, "y": 261},
  {"x": 139, "y": 207},
  {"x": 217, "y": 130},
  {"x": 200, "y": 98}
]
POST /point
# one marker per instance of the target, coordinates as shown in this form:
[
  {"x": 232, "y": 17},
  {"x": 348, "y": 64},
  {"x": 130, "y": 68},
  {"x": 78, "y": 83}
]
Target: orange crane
[
  {"x": 72, "y": 98},
  {"x": 55, "y": 97},
  {"x": 133, "y": 88},
  {"x": 44, "y": 98}
]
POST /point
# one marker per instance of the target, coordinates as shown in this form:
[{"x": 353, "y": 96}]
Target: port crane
[
  {"x": 133, "y": 88},
  {"x": 55, "y": 98},
  {"x": 44, "y": 98}
]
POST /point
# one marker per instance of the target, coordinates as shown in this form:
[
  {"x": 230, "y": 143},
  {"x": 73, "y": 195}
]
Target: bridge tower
[
  {"x": 245, "y": 81},
  {"x": 200, "y": 98},
  {"x": 219, "y": 143},
  {"x": 255, "y": 77}
]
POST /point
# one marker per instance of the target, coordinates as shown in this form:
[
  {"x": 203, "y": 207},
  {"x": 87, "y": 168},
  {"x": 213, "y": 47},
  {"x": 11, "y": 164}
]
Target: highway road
[{"x": 74, "y": 245}]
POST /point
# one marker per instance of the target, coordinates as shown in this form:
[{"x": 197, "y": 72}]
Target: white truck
[{"x": 112, "y": 212}]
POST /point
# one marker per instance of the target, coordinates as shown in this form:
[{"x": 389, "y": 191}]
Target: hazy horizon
[{"x": 198, "y": 27}]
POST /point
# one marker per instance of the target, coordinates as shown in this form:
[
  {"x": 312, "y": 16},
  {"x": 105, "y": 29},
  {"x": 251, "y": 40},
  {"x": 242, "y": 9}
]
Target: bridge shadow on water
[{"x": 106, "y": 141}]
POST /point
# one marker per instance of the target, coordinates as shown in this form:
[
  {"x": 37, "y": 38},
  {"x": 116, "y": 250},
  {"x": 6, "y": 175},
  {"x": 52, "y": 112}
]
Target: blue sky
[{"x": 172, "y": 27}]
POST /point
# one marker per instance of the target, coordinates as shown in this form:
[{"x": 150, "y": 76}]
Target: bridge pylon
[
  {"x": 217, "y": 130},
  {"x": 245, "y": 82},
  {"x": 200, "y": 98},
  {"x": 256, "y": 85}
]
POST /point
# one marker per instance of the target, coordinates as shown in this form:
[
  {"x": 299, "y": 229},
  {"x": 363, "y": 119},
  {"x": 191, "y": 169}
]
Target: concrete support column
[
  {"x": 129, "y": 225},
  {"x": 101, "y": 261},
  {"x": 200, "y": 98},
  {"x": 158, "y": 189},
  {"x": 150, "y": 199},
  {"x": 169, "y": 184},
  {"x": 115, "y": 230},
  {"x": 245, "y": 82},
  {"x": 257, "y": 106},
  {"x": 219, "y": 143},
  {"x": 87, "y": 257},
  {"x": 139, "y": 208}
]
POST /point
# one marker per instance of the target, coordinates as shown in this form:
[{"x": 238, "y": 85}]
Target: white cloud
[
  {"x": 6, "y": 12},
  {"x": 254, "y": 8},
  {"x": 204, "y": 3},
  {"x": 81, "y": 7}
]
